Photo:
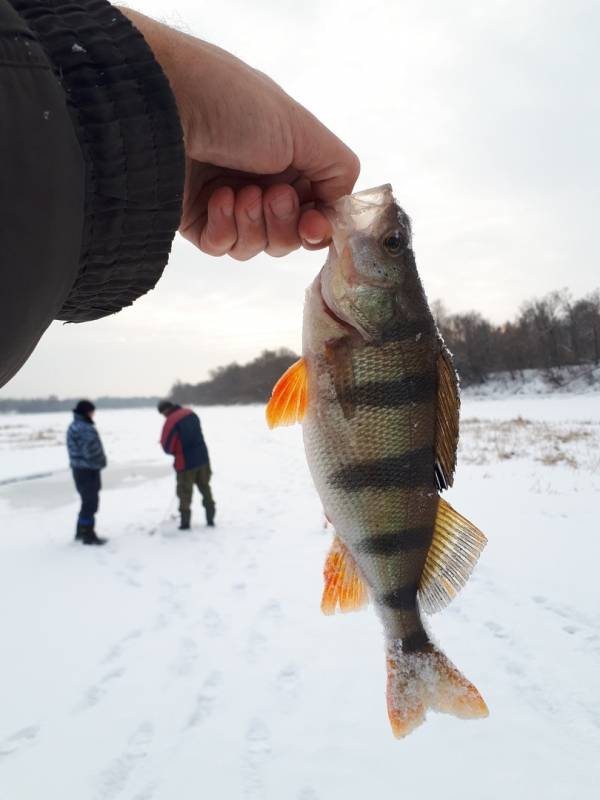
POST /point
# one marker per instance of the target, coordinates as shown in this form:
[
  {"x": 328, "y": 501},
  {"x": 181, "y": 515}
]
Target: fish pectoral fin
[
  {"x": 454, "y": 551},
  {"x": 446, "y": 433},
  {"x": 344, "y": 587},
  {"x": 289, "y": 396}
]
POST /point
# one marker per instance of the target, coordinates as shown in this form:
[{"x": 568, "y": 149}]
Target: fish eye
[{"x": 394, "y": 243}]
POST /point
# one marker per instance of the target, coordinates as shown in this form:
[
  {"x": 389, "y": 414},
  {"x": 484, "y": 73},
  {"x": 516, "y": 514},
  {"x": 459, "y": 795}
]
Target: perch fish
[{"x": 377, "y": 395}]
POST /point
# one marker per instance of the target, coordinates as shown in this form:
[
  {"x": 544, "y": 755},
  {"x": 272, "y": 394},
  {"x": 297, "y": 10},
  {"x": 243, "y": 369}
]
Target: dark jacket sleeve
[
  {"x": 92, "y": 166},
  {"x": 93, "y": 451}
]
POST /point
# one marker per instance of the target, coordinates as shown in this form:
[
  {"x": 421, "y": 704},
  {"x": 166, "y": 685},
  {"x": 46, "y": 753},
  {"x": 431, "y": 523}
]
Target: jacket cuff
[{"x": 126, "y": 120}]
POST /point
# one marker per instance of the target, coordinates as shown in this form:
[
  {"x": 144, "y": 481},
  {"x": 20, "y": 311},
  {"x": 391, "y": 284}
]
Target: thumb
[{"x": 323, "y": 159}]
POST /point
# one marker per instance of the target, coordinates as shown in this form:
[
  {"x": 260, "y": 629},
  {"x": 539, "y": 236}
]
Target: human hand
[{"x": 258, "y": 163}]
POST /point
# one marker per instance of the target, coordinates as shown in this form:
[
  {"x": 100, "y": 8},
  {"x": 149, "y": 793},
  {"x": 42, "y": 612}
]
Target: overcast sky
[{"x": 485, "y": 118}]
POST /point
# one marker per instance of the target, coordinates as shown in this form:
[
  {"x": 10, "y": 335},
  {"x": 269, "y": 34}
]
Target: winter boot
[
  {"x": 186, "y": 519},
  {"x": 88, "y": 535},
  {"x": 79, "y": 533},
  {"x": 210, "y": 517}
]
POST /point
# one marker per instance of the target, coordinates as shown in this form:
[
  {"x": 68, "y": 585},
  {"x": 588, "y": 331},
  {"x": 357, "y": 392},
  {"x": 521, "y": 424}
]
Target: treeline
[
  {"x": 235, "y": 383},
  {"x": 549, "y": 333},
  {"x": 53, "y": 403}
]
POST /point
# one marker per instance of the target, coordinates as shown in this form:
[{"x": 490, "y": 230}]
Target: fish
[{"x": 377, "y": 395}]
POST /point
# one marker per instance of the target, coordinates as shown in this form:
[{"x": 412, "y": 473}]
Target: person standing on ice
[
  {"x": 182, "y": 437},
  {"x": 87, "y": 458}
]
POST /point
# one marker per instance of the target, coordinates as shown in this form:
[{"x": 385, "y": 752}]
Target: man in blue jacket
[
  {"x": 86, "y": 456},
  {"x": 182, "y": 437}
]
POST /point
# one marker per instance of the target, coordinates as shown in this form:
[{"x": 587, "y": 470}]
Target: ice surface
[{"x": 173, "y": 665}]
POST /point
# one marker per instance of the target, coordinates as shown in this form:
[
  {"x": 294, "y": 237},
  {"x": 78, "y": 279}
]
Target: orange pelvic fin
[
  {"x": 289, "y": 397},
  {"x": 343, "y": 585},
  {"x": 427, "y": 679}
]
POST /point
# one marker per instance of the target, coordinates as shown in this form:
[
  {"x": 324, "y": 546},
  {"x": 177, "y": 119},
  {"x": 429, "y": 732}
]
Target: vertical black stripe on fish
[
  {"x": 402, "y": 598},
  {"x": 416, "y": 641},
  {"x": 407, "y": 471},
  {"x": 396, "y": 393},
  {"x": 409, "y": 329},
  {"x": 389, "y": 544},
  {"x": 338, "y": 355}
]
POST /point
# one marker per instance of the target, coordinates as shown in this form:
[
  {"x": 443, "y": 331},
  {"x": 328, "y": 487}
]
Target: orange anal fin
[
  {"x": 289, "y": 396},
  {"x": 344, "y": 587}
]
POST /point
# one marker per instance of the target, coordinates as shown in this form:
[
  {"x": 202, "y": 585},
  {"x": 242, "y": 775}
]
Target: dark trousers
[
  {"x": 87, "y": 483},
  {"x": 200, "y": 477}
]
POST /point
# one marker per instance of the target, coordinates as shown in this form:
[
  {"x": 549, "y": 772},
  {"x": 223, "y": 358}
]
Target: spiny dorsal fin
[
  {"x": 456, "y": 546},
  {"x": 343, "y": 585},
  {"x": 289, "y": 397},
  {"x": 446, "y": 434}
]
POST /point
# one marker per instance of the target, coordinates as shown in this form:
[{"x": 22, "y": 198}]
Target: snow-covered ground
[
  {"x": 178, "y": 666},
  {"x": 580, "y": 379}
]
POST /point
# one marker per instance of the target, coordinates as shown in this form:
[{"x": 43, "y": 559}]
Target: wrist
[{"x": 165, "y": 44}]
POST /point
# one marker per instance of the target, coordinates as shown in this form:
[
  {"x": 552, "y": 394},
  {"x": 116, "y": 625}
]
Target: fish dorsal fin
[
  {"x": 456, "y": 546},
  {"x": 344, "y": 587},
  {"x": 446, "y": 434},
  {"x": 289, "y": 396}
]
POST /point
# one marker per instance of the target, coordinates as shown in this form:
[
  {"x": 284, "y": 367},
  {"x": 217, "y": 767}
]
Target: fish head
[{"x": 369, "y": 280}]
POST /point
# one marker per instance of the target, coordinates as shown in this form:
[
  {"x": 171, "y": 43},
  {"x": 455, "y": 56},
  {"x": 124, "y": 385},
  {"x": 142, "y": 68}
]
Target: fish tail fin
[{"x": 425, "y": 679}]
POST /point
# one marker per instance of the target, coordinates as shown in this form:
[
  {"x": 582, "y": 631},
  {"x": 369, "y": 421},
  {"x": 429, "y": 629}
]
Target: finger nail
[
  {"x": 311, "y": 240},
  {"x": 227, "y": 209},
  {"x": 283, "y": 206}
]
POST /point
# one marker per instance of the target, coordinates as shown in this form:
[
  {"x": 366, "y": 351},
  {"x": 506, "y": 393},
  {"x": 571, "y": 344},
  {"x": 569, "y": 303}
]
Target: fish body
[{"x": 378, "y": 399}]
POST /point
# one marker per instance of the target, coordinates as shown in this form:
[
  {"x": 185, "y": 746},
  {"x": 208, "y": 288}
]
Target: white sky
[{"x": 484, "y": 116}]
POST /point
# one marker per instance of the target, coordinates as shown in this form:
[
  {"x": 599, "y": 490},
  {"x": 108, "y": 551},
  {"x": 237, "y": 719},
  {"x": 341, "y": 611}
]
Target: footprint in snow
[
  {"x": 213, "y": 622},
  {"x": 287, "y": 687},
  {"x": 256, "y": 646},
  {"x": 570, "y": 629},
  {"x": 147, "y": 793},
  {"x": 114, "y": 778},
  {"x": 567, "y": 613},
  {"x": 18, "y": 739},
  {"x": 308, "y": 793},
  {"x": 205, "y": 700},
  {"x": 171, "y": 599},
  {"x": 496, "y": 629},
  {"x": 257, "y": 749},
  {"x": 117, "y": 649},
  {"x": 94, "y": 694},
  {"x": 128, "y": 579},
  {"x": 272, "y": 612},
  {"x": 186, "y": 658}
]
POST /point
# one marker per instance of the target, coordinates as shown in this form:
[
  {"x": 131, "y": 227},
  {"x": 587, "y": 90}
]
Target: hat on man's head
[
  {"x": 165, "y": 406},
  {"x": 84, "y": 407}
]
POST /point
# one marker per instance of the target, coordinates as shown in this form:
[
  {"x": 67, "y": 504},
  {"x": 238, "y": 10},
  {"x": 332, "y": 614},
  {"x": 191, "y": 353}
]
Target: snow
[
  {"x": 197, "y": 665},
  {"x": 576, "y": 380}
]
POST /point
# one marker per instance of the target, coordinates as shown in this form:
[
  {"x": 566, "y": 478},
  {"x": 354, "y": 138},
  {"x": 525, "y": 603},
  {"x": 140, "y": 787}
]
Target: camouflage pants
[{"x": 200, "y": 477}]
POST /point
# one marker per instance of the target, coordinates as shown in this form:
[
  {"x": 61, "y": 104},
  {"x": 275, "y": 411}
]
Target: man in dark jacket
[
  {"x": 86, "y": 456},
  {"x": 182, "y": 437},
  {"x": 116, "y": 130}
]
